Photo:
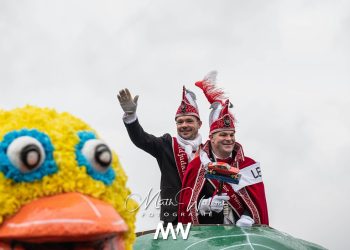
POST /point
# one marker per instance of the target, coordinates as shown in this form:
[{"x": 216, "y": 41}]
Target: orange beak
[{"x": 70, "y": 217}]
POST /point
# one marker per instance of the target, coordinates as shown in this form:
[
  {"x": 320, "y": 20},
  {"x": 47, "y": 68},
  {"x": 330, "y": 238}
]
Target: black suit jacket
[{"x": 160, "y": 148}]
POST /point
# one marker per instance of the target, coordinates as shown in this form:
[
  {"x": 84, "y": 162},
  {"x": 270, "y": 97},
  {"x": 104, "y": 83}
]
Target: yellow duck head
[{"x": 60, "y": 184}]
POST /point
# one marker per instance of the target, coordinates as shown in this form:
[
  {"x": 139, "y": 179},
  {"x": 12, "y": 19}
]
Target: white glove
[
  {"x": 126, "y": 101},
  {"x": 245, "y": 221},
  {"x": 215, "y": 204}
]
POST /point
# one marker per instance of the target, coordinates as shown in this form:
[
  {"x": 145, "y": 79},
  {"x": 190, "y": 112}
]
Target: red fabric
[
  {"x": 186, "y": 191},
  {"x": 193, "y": 180},
  {"x": 185, "y": 107},
  {"x": 225, "y": 121},
  {"x": 181, "y": 158},
  {"x": 257, "y": 194}
]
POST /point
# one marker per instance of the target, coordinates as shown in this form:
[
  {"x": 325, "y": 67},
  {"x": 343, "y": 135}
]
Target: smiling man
[
  {"x": 188, "y": 126},
  {"x": 172, "y": 153},
  {"x": 222, "y": 143},
  {"x": 201, "y": 202}
]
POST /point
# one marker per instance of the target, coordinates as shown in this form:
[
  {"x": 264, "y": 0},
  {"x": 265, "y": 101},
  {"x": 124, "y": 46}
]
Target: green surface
[{"x": 226, "y": 237}]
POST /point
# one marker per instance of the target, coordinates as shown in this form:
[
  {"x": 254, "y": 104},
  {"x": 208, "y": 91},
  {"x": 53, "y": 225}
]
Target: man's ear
[{"x": 200, "y": 123}]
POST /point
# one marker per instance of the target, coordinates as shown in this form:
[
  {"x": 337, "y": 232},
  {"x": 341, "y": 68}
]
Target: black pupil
[
  {"x": 27, "y": 152},
  {"x": 100, "y": 155}
]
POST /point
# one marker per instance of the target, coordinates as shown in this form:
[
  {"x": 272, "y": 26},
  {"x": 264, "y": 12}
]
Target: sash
[
  {"x": 238, "y": 193},
  {"x": 181, "y": 158},
  {"x": 235, "y": 201},
  {"x": 249, "y": 175},
  {"x": 249, "y": 193}
]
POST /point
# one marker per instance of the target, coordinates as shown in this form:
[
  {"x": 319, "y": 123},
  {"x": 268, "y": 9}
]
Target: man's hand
[
  {"x": 245, "y": 221},
  {"x": 215, "y": 204},
  {"x": 126, "y": 101}
]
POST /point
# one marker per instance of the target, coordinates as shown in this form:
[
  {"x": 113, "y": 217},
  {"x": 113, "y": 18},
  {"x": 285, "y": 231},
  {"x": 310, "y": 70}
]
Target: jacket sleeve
[{"x": 147, "y": 142}]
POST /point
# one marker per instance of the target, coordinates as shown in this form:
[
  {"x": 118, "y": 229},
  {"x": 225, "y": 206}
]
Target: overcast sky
[{"x": 284, "y": 64}]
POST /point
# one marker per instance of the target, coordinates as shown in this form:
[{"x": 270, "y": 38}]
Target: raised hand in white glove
[
  {"x": 245, "y": 221},
  {"x": 126, "y": 101},
  {"x": 215, "y": 204}
]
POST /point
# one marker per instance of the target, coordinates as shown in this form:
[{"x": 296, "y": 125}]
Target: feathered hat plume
[
  {"x": 220, "y": 117},
  {"x": 211, "y": 91}
]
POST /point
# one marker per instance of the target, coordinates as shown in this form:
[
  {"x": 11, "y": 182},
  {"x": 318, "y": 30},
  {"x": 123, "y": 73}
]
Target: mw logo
[{"x": 170, "y": 229}]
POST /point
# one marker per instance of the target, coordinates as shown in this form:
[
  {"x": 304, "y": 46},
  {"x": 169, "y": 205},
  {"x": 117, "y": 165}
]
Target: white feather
[
  {"x": 215, "y": 112},
  {"x": 191, "y": 97},
  {"x": 211, "y": 77}
]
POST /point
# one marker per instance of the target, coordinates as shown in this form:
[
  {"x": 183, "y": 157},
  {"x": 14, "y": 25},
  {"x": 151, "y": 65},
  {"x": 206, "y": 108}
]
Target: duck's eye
[
  {"x": 98, "y": 154},
  {"x": 31, "y": 156},
  {"x": 95, "y": 156},
  {"x": 103, "y": 155},
  {"x": 26, "y": 153}
]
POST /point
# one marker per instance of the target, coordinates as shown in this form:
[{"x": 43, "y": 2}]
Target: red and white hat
[
  {"x": 188, "y": 104},
  {"x": 220, "y": 117}
]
